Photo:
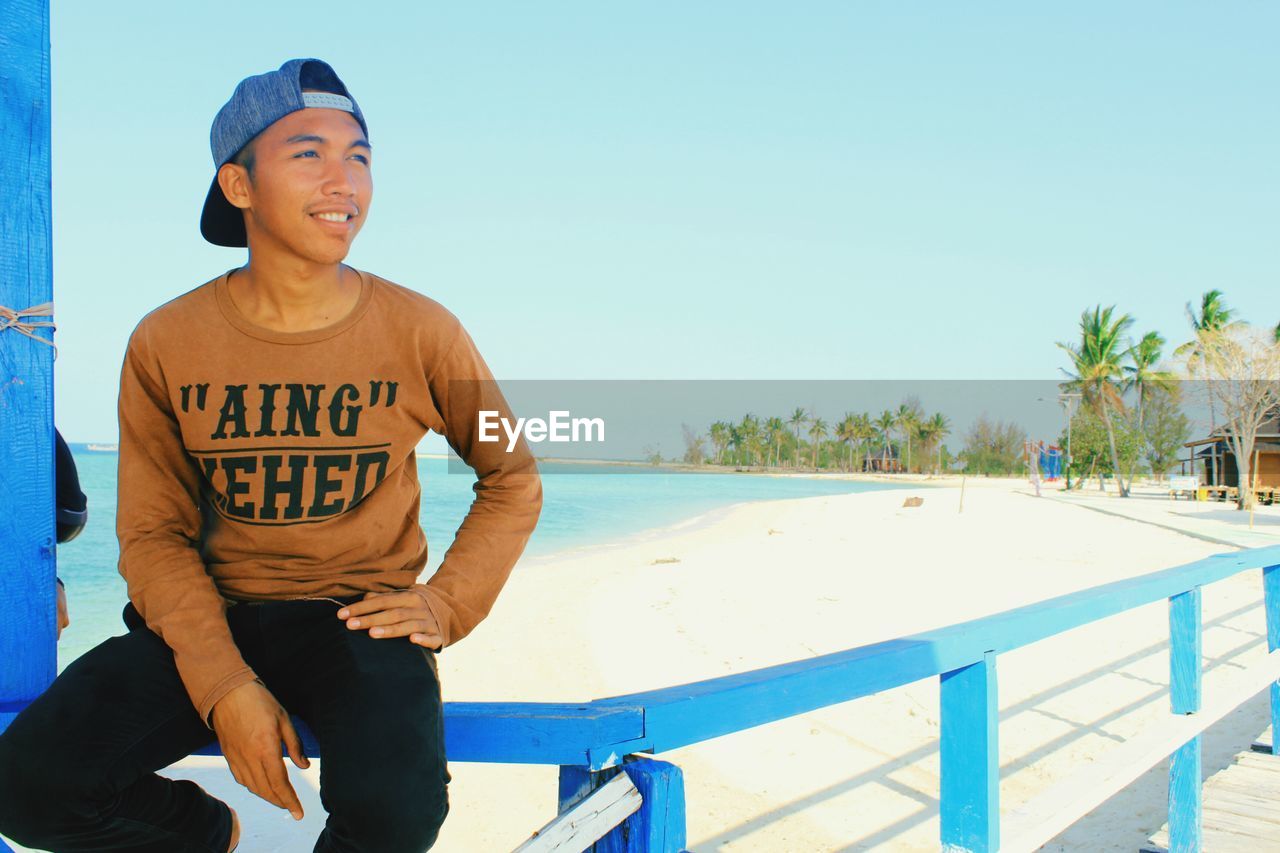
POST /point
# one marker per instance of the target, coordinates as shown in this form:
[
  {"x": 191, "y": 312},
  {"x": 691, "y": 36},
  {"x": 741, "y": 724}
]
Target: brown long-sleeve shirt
[{"x": 257, "y": 465}]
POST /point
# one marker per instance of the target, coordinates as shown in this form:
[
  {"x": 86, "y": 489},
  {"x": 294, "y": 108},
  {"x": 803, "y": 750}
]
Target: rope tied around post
[{"x": 9, "y": 319}]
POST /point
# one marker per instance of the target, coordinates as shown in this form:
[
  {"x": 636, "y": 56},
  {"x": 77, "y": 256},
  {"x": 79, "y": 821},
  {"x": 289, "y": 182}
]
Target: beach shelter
[
  {"x": 1218, "y": 461},
  {"x": 28, "y": 595},
  {"x": 1050, "y": 461}
]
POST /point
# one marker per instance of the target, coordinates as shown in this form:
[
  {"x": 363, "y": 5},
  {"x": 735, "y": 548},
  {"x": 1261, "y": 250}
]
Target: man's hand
[
  {"x": 394, "y": 614},
  {"x": 63, "y": 619},
  {"x": 250, "y": 725}
]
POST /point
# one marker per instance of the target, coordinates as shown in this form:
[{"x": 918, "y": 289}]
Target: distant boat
[{"x": 110, "y": 448}]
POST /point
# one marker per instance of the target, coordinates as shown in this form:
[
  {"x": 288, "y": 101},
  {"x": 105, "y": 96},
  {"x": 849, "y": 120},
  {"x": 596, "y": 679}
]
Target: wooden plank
[
  {"x": 1241, "y": 807},
  {"x": 687, "y": 713},
  {"x": 1266, "y": 741},
  {"x": 664, "y": 719},
  {"x": 1239, "y": 801},
  {"x": 659, "y": 826},
  {"x": 593, "y": 817},
  {"x": 28, "y": 658},
  {"x": 1185, "y": 803},
  {"x": 970, "y": 801},
  {"x": 1271, "y": 611},
  {"x": 1250, "y": 827},
  {"x": 1185, "y": 651},
  {"x": 1268, "y": 763},
  {"x": 1036, "y": 822},
  {"x": 1186, "y": 806}
]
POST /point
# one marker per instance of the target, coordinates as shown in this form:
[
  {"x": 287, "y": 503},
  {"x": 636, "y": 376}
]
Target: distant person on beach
[
  {"x": 71, "y": 512},
  {"x": 267, "y": 515}
]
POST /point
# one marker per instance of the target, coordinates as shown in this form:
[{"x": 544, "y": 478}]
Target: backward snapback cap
[{"x": 257, "y": 103}]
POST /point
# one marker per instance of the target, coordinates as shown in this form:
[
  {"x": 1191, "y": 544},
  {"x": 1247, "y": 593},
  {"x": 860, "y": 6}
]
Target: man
[{"x": 268, "y": 522}]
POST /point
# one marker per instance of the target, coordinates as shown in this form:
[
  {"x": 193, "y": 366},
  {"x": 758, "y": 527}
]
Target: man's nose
[{"x": 337, "y": 177}]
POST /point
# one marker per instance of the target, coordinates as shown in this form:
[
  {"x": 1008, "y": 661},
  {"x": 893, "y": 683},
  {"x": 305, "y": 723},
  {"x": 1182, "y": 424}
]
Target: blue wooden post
[
  {"x": 970, "y": 808},
  {"x": 28, "y": 660},
  {"x": 1271, "y": 607},
  {"x": 1184, "y": 698},
  {"x": 658, "y": 827}
]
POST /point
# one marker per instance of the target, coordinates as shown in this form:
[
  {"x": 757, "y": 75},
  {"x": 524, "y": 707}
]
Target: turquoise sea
[{"x": 582, "y": 505}]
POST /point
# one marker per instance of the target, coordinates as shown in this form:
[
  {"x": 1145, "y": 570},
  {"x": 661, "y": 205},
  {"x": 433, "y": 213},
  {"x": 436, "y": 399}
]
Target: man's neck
[{"x": 293, "y": 295}]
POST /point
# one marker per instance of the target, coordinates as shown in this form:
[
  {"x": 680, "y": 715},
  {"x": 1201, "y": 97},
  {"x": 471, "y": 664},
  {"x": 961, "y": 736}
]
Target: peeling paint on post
[{"x": 28, "y": 656}]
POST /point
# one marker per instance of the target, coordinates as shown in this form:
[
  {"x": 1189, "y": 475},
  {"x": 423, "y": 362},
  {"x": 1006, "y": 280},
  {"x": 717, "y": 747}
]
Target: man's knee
[
  {"x": 36, "y": 792},
  {"x": 395, "y": 816}
]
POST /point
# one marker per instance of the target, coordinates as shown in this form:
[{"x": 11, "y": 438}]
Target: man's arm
[
  {"x": 158, "y": 523},
  {"x": 508, "y": 493}
]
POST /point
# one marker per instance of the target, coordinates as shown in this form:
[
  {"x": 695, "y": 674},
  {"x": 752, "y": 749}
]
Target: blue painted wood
[
  {"x": 970, "y": 801},
  {"x": 1271, "y": 608},
  {"x": 598, "y": 733},
  {"x": 605, "y": 730},
  {"x": 1185, "y": 651},
  {"x": 660, "y": 824},
  {"x": 1185, "y": 806},
  {"x": 28, "y": 598},
  {"x": 1185, "y": 796},
  {"x": 576, "y": 782},
  {"x": 689, "y": 713}
]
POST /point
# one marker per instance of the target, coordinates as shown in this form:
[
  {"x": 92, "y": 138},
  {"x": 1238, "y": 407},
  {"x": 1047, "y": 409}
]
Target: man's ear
[{"x": 234, "y": 181}]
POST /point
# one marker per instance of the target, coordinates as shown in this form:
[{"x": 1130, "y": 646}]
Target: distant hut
[
  {"x": 882, "y": 461},
  {"x": 1212, "y": 460}
]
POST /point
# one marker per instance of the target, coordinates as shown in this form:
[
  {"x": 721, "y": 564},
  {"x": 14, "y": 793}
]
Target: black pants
[{"x": 77, "y": 766}]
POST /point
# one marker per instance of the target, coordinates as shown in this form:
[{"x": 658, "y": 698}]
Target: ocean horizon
[{"x": 584, "y": 505}]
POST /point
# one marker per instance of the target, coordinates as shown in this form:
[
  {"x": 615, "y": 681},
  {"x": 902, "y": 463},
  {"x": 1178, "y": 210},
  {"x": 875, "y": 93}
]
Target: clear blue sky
[{"x": 712, "y": 190}]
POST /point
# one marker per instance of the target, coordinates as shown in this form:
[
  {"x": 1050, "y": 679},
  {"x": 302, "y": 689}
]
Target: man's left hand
[{"x": 402, "y": 613}]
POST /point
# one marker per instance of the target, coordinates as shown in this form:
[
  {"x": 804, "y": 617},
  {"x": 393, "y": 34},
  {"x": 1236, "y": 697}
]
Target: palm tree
[
  {"x": 775, "y": 428},
  {"x": 1143, "y": 374},
  {"x": 848, "y": 433},
  {"x": 1214, "y": 316},
  {"x": 907, "y": 419},
  {"x": 735, "y": 441},
  {"x": 924, "y": 437},
  {"x": 866, "y": 431},
  {"x": 1098, "y": 371},
  {"x": 941, "y": 428},
  {"x": 719, "y": 438},
  {"x": 885, "y": 423},
  {"x": 798, "y": 419},
  {"x": 751, "y": 436},
  {"x": 816, "y": 432}
]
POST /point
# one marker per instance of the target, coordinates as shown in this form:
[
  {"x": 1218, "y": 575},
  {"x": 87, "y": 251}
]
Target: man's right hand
[{"x": 250, "y": 725}]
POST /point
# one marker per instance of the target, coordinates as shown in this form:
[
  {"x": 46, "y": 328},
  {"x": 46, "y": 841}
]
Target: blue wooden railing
[{"x": 592, "y": 741}]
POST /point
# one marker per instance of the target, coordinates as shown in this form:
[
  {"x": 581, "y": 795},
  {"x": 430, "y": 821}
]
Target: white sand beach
[{"x": 769, "y": 582}]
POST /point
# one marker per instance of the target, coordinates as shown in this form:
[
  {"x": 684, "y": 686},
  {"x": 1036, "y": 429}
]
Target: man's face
[{"x": 311, "y": 162}]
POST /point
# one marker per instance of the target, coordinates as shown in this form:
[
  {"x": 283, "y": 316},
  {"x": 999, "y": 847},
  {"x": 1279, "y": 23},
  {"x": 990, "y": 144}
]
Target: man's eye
[
  {"x": 361, "y": 158},
  {"x": 300, "y": 153}
]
